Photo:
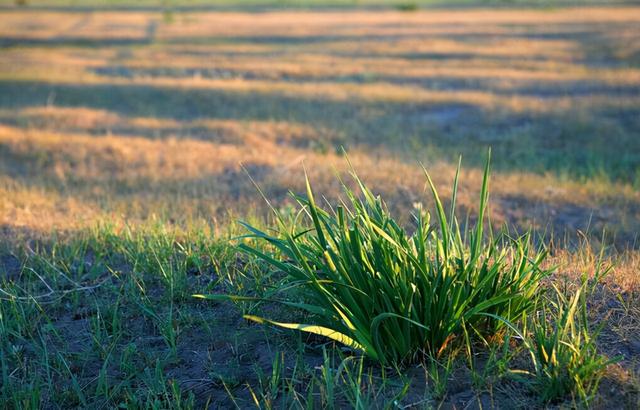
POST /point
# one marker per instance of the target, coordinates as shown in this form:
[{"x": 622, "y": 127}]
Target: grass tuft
[
  {"x": 563, "y": 349},
  {"x": 375, "y": 287}
]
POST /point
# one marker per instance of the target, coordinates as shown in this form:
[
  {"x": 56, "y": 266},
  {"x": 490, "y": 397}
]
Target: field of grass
[{"x": 130, "y": 141}]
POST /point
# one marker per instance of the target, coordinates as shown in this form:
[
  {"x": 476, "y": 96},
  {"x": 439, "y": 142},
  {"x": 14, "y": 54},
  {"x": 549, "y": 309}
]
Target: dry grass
[
  {"x": 132, "y": 115},
  {"x": 186, "y": 179}
]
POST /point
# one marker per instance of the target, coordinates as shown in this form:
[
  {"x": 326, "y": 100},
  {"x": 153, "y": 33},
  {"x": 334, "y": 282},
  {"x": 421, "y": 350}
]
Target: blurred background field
[
  {"x": 306, "y": 4},
  {"x": 121, "y": 114}
]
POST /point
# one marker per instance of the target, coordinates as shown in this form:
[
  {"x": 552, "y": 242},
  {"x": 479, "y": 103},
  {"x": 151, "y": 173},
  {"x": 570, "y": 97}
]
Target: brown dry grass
[
  {"x": 177, "y": 178},
  {"x": 126, "y": 114}
]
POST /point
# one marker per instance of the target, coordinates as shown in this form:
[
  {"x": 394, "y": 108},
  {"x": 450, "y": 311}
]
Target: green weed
[
  {"x": 562, "y": 348},
  {"x": 371, "y": 285}
]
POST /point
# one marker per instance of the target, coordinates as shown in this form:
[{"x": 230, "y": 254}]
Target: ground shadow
[{"x": 599, "y": 141}]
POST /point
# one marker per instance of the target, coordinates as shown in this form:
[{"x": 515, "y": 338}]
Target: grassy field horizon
[{"x": 409, "y": 6}]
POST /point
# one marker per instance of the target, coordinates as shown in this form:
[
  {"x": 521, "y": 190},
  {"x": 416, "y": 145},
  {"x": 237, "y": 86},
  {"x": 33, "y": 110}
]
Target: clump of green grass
[
  {"x": 563, "y": 348},
  {"x": 372, "y": 285}
]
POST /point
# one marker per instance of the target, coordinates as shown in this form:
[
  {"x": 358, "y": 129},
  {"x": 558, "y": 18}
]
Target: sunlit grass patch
[
  {"x": 563, "y": 349},
  {"x": 399, "y": 297},
  {"x": 375, "y": 287}
]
